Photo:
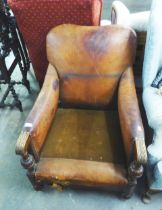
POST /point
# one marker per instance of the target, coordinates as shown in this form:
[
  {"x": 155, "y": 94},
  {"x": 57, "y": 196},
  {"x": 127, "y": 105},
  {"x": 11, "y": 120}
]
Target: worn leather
[
  {"x": 81, "y": 172},
  {"x": 43, "y": 111},
  {"x": 90, "y": 61},
  {"x": 85, "y": 135},
  {"x": 88, "y": 66},
  {"x": 129, "y": 114}
]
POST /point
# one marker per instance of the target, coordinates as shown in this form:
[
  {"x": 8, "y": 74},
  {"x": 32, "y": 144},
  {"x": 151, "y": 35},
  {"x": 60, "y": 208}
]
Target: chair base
[
  {"x": 81, "y": 172},
  {"x": 60, "y": 173}
]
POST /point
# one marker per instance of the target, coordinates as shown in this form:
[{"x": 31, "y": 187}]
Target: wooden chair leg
[
  {"x": 135, "y": 171},
  {"x": 37, "y": 184},
  {"x": 29, "y": 164}
]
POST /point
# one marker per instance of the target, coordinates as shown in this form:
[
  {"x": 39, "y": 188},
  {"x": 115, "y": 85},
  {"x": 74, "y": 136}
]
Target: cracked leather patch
[{"x": 55, "y": 84}]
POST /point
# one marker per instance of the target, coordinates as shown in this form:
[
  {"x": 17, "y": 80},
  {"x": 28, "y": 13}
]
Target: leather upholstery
[
  {"x": 36, "y": 17},
  {"x": 89, "y": 72},
  {"x": 89, "y": 66},
  {"x": 43, "y": 111},
  {"x": 82, "y": 172},
  {"x": 75, "y": 139},
  {"x": 129, "y": 114},
  {"x": 81, "y": 71}
]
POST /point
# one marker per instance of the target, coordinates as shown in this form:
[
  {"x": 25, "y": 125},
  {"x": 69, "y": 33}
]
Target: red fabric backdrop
[{"x": 36, "y": 17}]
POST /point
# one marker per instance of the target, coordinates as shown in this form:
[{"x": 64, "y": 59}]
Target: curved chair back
[{"x": 89, "y": 61}]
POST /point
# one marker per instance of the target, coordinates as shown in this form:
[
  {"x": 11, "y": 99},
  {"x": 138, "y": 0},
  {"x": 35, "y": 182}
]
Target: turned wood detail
[
  {"x": 135, "y": 171},
  {"x": 28, "y": 162}
]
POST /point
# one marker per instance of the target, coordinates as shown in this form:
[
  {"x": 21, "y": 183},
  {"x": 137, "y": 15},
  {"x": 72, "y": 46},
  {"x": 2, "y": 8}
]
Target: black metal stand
[{"x": 11, "y": 41}]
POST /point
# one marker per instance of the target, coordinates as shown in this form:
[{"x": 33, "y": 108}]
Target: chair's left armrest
[
  {"x": 40, "y": 117},
  {"x": 130, "y": 119}
]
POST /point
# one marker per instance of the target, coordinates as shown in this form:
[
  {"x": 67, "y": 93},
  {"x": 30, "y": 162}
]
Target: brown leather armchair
[{"x": 85, "y": 127}]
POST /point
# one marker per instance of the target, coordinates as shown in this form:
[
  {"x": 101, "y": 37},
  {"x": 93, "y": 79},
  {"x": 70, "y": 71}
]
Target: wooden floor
[{"x": 133, "y": 6}]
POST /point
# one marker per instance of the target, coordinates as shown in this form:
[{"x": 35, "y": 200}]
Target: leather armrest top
[{"x": 130, "y": 119}]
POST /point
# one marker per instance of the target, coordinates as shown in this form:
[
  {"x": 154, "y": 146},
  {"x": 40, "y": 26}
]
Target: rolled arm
[
  {"x": 39, "y": 120},
  {"x": 130, "y": 119},
  {"x": 120, "y": 13}
]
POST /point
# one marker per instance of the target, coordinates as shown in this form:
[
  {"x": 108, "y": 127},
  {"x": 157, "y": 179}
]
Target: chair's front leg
[
  {"x": 28, "y": 163},
  {"x": 132, "y": 130},
  {"x": 135, "y": 171}
]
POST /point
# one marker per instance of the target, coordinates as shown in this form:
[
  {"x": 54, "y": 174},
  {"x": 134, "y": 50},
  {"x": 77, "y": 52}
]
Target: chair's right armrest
[
  {"x": 130, "y": 119},
  {"x": 39, "y": 120}
]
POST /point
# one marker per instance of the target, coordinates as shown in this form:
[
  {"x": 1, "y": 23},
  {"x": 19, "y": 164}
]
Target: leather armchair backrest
[{"x": 90, "y": 61}]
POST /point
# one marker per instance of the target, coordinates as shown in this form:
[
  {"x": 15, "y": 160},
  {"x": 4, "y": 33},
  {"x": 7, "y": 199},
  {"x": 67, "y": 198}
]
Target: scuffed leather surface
[
  {"x": 85, "y": 135},
  {"x": 90, "y": 61},
  {"x": 81, "y": 172},
  {"x": 43, "y": 111},
  {"x": 129, "y": 113}
]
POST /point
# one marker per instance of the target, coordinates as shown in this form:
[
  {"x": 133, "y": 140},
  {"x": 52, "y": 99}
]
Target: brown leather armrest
[
  {"x": 130, "y": 119},
  {"x": 41, "y": 115}
]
